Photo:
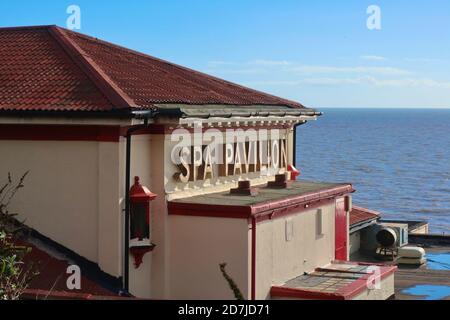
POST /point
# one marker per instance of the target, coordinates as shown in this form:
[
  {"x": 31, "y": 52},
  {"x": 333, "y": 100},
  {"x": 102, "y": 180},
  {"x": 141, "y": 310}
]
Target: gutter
[
  {"x": 361, "y": 225},
  {"x": 294, "y": 147},
  {"x": 126, "y": 273}
]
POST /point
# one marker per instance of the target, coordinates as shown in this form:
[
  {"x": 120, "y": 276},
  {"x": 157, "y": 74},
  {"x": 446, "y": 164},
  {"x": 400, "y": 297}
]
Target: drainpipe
[
  {"x": 294, "y": 150},
  {"x": 129, "y": 133}
]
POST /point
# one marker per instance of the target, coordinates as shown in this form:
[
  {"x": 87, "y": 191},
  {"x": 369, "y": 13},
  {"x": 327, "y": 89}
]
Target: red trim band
[
  {"x": 60, "y": 132},
  {"x": 169, "y": 129},
  {"x": 283, "y": 292}
]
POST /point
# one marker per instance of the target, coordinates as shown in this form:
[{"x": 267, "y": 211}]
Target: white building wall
[
  {"x": 71, "y": 194},
  {"x": 160, "y": 228},
  {"x": 355, "y": 242},
  {"x": 282, "y": 255},
  {"x": 198, "y": 245},
  {"x": 60, "y": 198},
  {"x": 141, "y": 158},
  {"x": 109, "y": 213},
  {"x": 150, "y": 280}
]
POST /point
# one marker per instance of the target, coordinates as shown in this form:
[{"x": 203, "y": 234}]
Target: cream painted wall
[
  {"x": 110, "y": 213},
  {"x": 141, "y": 160},
  {"x": 421, "y": 230},
  {"x": 197, "y": 246},
  {"x": 140, "y": 280},
  {"x": 150, "y": 280},
  {"x": 279, "y": 260},
  {"x": 70, "y": 195},
  {"x": 160, "y": 229},
  {"x": 75, "y": 196},
  {"x": 355, "y": 242},
  {"x": 60, "y": 198}
]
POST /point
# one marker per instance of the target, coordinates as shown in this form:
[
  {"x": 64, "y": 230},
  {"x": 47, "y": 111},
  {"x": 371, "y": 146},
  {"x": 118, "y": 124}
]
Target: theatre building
[{"x": 154, "y": 174}]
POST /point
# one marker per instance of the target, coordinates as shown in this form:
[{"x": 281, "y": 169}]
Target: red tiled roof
[
  {"x": 37, "y": 74},
  {"x": 359, "y": 214},
  {"x": 53, "y": 276},
  {"x": 51, "y": 68}
]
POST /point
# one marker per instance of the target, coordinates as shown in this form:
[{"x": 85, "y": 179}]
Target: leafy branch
[
  {"x": 233, "y": 286},
  {"x": 14, "y": 275}
]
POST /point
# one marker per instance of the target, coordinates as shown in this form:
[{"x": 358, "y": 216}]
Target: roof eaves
[
  {"x": 228, "y": 111},
  {"x": 104, "y": 83},
  {"x": 361, "y": 225}
]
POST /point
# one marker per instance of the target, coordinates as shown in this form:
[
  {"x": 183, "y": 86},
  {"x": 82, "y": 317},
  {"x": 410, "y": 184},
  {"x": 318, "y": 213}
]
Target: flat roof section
[
  {"x": 412, "y": 225},
  {"x": 223, "y": 204},
  {"x": 338, "y": 281}
]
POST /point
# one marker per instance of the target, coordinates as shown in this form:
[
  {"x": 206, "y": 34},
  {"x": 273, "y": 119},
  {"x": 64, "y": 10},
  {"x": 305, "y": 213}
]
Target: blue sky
[{"x": 317, "y": 52}]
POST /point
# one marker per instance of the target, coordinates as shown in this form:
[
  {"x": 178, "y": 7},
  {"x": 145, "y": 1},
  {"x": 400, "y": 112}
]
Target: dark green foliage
[{"x": 14, "y": 276}]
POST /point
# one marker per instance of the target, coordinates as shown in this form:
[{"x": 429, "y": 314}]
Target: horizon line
[{"x": 383, "y": 107}]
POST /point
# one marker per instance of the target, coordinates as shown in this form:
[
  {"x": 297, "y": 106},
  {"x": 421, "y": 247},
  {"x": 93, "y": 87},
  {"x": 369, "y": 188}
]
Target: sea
[{"x": 398, "y": 160}]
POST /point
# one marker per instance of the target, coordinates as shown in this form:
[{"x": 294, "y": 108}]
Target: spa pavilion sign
[{"x": 213, "y": 154}]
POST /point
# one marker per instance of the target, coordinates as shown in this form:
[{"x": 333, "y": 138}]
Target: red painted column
[{"x": 341, "y": 240}]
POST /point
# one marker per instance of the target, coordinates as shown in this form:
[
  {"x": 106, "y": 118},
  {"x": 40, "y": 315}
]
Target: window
[
  {"x": 319, "y": 223},
  {"x": 289, "y": 230},
  {"x": 139, "y": 223}
]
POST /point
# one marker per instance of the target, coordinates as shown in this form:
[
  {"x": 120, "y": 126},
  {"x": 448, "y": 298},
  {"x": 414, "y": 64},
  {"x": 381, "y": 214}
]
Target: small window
[
  {"x": 289, "y": 230},
  {"x": 319, "y": 223},
  {"x": 139, "y": 223}
]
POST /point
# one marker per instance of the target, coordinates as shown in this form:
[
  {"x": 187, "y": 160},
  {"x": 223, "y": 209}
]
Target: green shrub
[{"x": 14, "y": 275}]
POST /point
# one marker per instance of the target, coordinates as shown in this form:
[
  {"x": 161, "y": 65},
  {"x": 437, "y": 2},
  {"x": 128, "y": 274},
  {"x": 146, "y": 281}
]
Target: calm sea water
[{"x": 397, "y": 159}]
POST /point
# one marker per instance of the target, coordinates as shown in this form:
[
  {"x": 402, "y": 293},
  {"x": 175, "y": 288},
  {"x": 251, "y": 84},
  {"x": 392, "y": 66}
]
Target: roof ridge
[
  {"x": 147, "y": 56},
  {"x": 100, "y": 79},
  {"x": 44, "y": 26},
  {"x": 359, "y": 208}
]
